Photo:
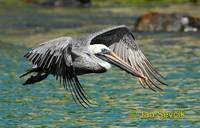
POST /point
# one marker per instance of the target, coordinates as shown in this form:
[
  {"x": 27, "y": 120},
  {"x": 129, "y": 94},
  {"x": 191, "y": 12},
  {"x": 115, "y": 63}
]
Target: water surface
[{"x": 118, "y": 95}]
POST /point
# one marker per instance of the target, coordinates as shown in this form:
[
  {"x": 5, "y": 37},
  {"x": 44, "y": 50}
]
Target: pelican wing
[
  {"x": 122, "y": 42},
  {"x": 54, "y": 57}
]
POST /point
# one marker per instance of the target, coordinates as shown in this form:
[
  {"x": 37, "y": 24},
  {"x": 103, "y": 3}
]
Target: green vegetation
[
  {"x": 144, "y": 2},
  {"x": 22, "y": 3}
]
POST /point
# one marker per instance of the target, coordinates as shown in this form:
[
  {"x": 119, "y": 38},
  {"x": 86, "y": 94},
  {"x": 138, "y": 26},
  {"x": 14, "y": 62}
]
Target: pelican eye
[{"x": 105, "y": 51}]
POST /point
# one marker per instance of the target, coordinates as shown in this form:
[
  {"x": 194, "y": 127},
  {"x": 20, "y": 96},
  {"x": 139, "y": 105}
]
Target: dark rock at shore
[
  {"x": 60, "y": 3},
  {"x": 174, "y": 22}
]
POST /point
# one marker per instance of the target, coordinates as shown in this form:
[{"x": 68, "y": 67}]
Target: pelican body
[{"x": 67, "y": 57}]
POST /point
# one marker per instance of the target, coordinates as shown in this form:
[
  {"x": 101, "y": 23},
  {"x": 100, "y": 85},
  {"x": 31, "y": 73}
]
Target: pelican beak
[{"x": 116, "y": 60}]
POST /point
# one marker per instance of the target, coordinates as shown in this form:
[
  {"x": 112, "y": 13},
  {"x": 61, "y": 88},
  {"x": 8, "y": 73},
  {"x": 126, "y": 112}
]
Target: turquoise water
[{"x": 120, "y": 98}]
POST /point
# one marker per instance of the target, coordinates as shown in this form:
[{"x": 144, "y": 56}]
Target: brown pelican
[{"x": 67, "y": 57}]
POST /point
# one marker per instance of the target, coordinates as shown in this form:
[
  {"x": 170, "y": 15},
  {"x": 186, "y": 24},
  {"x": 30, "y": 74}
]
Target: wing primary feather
[
  {"x": 72, "y": 92},
  {"x": 81, "y": 95},
  {"x": 35, "y": 57},
  {"x": 149, "y": 85},
  {"x": 152, "y": 68},
  {"x": 141, "y": 82},
  {"x": 69, "y": 84},
  {"x": 149, "y": 66},
  {"x": 145, "y": 81},
  {"x": 81, "y": 90},
  {"x": 74, "y": 88},
  {"x": 77, "y": 97},
  {"x": 153, "y": 83},
  {"x": 151, "y": 80},
  {"x": 38, "y": 59},
  {"x": 45, "y": 61},
  {"x": 155, "y": 77},
  {"x": 149, "y": 77}
]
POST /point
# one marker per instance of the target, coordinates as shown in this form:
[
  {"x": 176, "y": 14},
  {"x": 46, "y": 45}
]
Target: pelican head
[{"x": 104, "y": 53}]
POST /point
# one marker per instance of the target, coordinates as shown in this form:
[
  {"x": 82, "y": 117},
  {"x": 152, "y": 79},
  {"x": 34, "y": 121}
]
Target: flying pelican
[{"x": 67, "y": 57}]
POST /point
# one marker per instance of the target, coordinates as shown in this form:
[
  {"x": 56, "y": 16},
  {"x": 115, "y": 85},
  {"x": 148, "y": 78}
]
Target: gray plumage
[{"x": 67, "y": 57}]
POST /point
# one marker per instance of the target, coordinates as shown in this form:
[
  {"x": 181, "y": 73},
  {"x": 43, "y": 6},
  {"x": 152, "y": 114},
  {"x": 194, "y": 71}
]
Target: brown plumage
[{"x": 67, "y": 57}]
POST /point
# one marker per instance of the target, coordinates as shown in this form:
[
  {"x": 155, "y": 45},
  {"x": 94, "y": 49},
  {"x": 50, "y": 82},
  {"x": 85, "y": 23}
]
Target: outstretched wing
[
  {"x": 54, "y": 57},
  {"x": 122, "y": 42}
]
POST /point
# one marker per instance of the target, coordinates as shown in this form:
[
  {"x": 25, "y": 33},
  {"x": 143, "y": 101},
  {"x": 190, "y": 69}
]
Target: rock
[
  {"x": 174, "y": 22},
  {"x": 60, "y": 3},
  {"x": 190, "y": 23}
]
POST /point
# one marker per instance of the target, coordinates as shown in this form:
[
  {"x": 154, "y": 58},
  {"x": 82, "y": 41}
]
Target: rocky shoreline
[{"x": 170, "y": 22}]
